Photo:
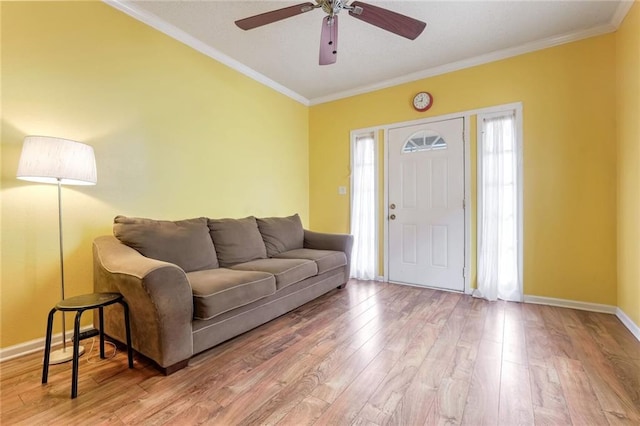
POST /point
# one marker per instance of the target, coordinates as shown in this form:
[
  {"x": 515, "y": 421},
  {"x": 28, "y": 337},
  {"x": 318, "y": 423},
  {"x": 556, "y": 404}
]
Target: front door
[{"x": 426, "y": 204}]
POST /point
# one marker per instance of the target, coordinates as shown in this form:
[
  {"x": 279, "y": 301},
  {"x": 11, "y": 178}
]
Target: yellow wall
[
  {"x": 175, "y": 133},
  {"x": 628, "y": 136},
  {"x": 568, "y": 96}
]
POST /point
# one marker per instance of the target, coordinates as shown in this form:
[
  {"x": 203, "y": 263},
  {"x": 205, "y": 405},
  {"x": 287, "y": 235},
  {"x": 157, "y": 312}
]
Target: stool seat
[
  {"x": 80, "y": 304},
  {"x": 88, "y": 301}
]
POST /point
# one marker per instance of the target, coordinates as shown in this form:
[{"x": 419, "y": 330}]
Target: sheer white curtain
[
  {"x": 498, "y": 275},
  {"x": 363, "y": 208}
]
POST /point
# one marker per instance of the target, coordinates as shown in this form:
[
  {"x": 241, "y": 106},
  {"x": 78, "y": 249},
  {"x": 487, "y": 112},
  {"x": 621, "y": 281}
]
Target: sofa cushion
[
  {"x": 281, "y": 234},
  {"x": 185, "y": 243},
  {"x": 237, "y": 240},
  {"x": 326, "y": 259},
  {"x": 286, "y": 271},
  {"x": 216, "y": 291}
]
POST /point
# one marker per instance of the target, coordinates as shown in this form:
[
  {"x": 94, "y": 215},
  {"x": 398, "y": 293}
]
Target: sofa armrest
[
  {"x": 159, "y": 296},
  {"x": 336, "y": 242}
]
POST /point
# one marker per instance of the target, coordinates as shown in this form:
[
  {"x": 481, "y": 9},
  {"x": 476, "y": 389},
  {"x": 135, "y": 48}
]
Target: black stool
[{"x": 79, "y": 304}]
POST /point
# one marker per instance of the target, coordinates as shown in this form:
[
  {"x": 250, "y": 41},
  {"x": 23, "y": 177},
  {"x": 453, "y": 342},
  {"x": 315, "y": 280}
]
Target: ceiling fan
[{"x": 383, "y": 18}]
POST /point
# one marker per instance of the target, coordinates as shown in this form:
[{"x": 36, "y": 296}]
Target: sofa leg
[
  {"x": 341, "y": 286},
  {"x": 173, "y": 368}
]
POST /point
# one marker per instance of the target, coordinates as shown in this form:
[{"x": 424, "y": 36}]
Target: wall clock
[{"x": 422, "y": 101}]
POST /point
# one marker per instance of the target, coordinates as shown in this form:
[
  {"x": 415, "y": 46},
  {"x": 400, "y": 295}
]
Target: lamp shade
[{"x": 47, "y": 159}]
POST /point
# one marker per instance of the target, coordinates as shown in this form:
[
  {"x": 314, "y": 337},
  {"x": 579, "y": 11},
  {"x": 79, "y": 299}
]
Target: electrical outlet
[{"x": 342, "y": 190}]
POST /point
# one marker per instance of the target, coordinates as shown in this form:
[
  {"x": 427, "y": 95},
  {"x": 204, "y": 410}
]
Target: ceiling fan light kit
[
  {"x": 329, "y": 40},
  {"x": 388, "y": 20}
]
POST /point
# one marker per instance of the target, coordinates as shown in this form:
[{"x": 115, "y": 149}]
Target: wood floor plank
[
  {"x": 291, "y": 394},
  {"x": 386, "y": 397},
  {"x": 304, "y": 413},
  {"x": 415, "y": 405},
  {"x": 264, "y": 389},
  {"x": 394, "y": 335},
  {"x": 582, "y": 402},
  {"x": 549, "y": 405},
  {"x": 449, "y": 405},
  {"x": 516, "y": 407},
  {"x": 514, "y": 340},
  {"x": 278, "y": 407},
  {"x": 483, "y": 398},
  {"x": 371, "y": 354},
  {"x": 344, "y": 410}
]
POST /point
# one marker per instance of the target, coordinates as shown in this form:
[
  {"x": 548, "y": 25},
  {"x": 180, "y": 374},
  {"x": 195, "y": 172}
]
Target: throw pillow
[
  {"x": 237, "y": 240},
  {"x": 185, "y": 243},
  {"x": 281, "y": 234}
]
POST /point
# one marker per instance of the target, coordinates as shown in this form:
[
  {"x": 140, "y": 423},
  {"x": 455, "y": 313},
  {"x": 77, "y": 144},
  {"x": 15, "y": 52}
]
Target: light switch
[{"x": 342, "y": 190}]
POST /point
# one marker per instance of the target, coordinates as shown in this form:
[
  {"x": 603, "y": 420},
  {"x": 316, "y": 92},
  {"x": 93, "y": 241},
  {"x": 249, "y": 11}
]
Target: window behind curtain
[
  {"x": 499, "y": 275},
  {"x": 363, "y": 207}
]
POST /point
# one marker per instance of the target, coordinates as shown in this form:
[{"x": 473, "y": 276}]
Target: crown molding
[
  {"x": 621, "y": 12},
  {"x": 176, "y": 33},
  {"x": 471, "y": 62}
]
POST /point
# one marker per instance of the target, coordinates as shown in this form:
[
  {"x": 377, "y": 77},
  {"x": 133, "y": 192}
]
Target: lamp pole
[{"x": 64, "y": 328}]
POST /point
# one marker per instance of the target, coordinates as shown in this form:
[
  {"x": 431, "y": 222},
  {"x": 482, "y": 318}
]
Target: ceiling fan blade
[
  {"x": 387, "y": 20},
  {"x": 329, "y": 40},
  {"x": 273, "y": 16}
]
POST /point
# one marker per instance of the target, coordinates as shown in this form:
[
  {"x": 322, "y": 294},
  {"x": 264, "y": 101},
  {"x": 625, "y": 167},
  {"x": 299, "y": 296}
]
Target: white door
[{"x": 426, "y": 204}]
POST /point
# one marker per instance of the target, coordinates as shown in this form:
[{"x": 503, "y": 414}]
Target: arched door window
[{"x": 424, "y": 140}]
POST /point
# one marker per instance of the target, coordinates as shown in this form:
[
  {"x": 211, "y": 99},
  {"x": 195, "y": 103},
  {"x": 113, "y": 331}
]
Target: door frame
[
  {"x": 467, "y": 186},
  {"x": 466, "y": 115}
]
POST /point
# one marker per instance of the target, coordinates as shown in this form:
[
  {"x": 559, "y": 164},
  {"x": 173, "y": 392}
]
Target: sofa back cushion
[
  {"x": 237, "y": 240},
  {"x": 185, "y": 243},
  {"x": 281, "y": 234}
]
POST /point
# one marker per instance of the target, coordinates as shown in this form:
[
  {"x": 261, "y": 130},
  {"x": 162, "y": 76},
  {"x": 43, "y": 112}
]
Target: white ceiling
[{"x": 284, "y": 54}]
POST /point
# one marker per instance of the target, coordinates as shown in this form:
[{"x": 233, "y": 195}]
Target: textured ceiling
[{"x": 284, "y": 54}]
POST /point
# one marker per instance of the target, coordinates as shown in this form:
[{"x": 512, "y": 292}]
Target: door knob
[
  {"x": 392, "y": 206},
  {"x": 392, "y": 217}
]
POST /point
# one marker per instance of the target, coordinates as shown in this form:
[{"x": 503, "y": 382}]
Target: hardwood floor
[{"x": 372, "y": 354}]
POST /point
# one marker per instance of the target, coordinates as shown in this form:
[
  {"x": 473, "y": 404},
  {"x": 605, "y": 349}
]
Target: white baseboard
[
  {"x": 628, "y": 322},
  {"x": 573, "y": 304},
  {"x": 36, "y": 345},
  {"x": 586, "y": 306}
]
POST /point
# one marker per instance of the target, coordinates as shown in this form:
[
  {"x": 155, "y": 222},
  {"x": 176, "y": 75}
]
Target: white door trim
[{"x": 467, "y": 114}]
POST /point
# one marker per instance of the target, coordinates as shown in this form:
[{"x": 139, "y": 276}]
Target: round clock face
[{"x": 422, "y": 101}]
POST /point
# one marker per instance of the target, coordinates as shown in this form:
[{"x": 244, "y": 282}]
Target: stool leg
[
  {"x": 101, "y": 315},
  {"x": 128, "y": 330},
  {"x": 76, "y": 355},
  {"x": 47, "y": 346}
]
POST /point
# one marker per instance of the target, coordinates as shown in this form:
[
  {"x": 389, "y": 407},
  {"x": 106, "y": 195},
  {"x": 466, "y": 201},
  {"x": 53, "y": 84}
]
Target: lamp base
[{"x": 63, "y": 355}]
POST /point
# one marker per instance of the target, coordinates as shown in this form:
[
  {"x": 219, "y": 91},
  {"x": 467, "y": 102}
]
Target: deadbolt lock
[
  {"x": 392, "y": 217},
  {"x": 392, "y": 206}
]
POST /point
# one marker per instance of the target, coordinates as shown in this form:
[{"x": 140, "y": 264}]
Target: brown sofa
[{"x": 194, "y": 283}]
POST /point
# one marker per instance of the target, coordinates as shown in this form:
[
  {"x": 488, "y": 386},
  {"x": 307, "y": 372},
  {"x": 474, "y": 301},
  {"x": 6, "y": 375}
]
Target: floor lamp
[{"x": 46, "y": 159}]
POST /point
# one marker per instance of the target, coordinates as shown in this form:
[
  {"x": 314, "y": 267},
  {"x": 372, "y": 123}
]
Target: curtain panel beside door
[
  {"x": 498, "y": 208},
  {"x": 363, "y": 207}
]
